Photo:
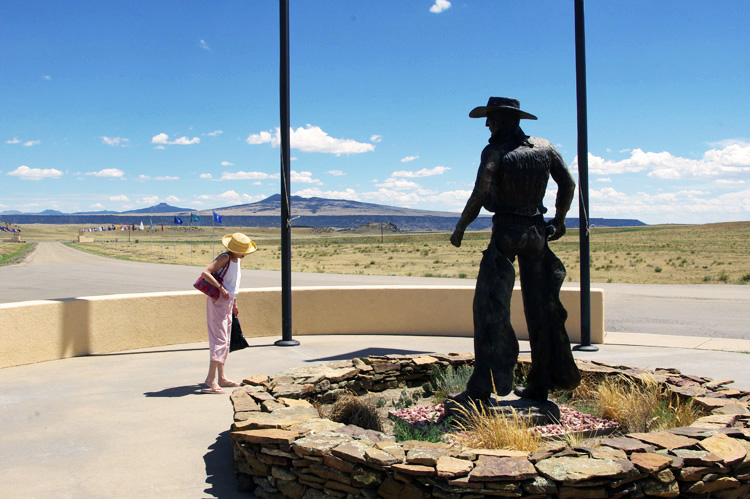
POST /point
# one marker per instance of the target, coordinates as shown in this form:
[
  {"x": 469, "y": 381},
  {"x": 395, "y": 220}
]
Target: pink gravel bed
[
  {"x": 571, "y": 420},
  {"x": 419, "y": 416}
]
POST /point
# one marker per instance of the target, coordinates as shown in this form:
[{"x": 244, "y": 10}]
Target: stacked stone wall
[{"x": 283, "y": 448}]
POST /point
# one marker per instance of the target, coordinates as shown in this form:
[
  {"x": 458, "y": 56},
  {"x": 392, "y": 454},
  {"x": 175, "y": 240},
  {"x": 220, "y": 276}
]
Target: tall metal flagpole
[
  {"x": 583, "y": 182},
  {"x": 286, "y": 223}
]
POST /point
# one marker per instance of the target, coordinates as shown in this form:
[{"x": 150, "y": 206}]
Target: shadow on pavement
[
  {"x": 219, "y": 474},
  {"x": 366, "y": 352},
  {"x": 177, "y": 391}
]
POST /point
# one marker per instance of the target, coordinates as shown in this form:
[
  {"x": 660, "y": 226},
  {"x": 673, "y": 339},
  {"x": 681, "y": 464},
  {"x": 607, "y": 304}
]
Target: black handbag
[{"x": 237, "y": 341}]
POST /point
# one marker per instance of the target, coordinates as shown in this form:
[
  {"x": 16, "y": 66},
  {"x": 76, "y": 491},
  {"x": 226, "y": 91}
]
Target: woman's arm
[{"x": 213, "y": 267}]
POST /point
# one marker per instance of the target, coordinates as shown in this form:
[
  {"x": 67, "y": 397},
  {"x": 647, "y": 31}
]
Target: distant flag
[
  {"x": 195, "y": 218},
  {"x": 162, "y": 226},
  {"x": 142, "y": 225},
  {"x": 217, "y": 218},
  {"x": 151, "y": 222},
  {"x": 178, "y": 221}
]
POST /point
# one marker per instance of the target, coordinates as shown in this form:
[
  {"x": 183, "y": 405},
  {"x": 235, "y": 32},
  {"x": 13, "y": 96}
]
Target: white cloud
[
  {"x": 107, "y": 173},
  {"x": 204, "y": 45},
  {"x": 231, "y": 197},
  {"x": 604, "y": 179},
  {"x": 14, "y": 140},
  {"x": 144, "y": 178},
  {"x": 121, "y": 198},
  {"x": 730, "y": 182},
  {"x": 440, "y": 6},
  {"x": 336, "y": 173},
  {"x": 731, "y": 160},
  {"x": 692, "y": 205},
  {"x": 247, "y": 176},
  {"x": 25, "y": 173},
  {"x": 163, "y": 139},
  {"x": 262, "y": 138},
  {"x": 424, "y": 172},
  {"x": 30, "y": 143},
  {"x": 376, "y": 138},
  {"x": 148, "y": 200},
  {"x": 408, "y": 159},
  {"x": 206, "y": 175},
  {"x": 311, "y": 139},
  {"x": 386, "y": 196},
  {"x": 398, "y": 184},
  {"x": 97, "y": 206},
  {"x": 314, "y": 192},
  {"x": 46, "y": 77},
  {"x": 184, "y": 141},
  {"x": 215, "y": 133},
  {"x": 303, "y": 178},
  {"x": 172, "y": 199},
  {"x": 226, "y": 163},
  {"x": 115, "y": 141}
]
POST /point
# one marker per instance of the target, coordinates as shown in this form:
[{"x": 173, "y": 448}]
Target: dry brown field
[{"x": 670, "y": 254}]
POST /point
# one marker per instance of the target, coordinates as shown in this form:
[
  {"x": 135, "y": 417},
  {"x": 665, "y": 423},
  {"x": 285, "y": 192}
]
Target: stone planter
[{"x": 282, "y": 446}]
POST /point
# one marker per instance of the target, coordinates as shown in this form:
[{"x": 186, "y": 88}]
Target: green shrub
[{"x": 448, "y": 381}]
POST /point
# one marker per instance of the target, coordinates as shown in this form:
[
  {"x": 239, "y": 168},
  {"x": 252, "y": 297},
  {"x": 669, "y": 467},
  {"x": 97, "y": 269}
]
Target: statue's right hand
[{"x": 456, "y": 238}]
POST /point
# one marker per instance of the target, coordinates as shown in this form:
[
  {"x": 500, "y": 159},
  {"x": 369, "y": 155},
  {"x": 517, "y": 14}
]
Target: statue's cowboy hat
[
  {"x": 239, "y": 243},
  {"x": 500, "y": 104}
]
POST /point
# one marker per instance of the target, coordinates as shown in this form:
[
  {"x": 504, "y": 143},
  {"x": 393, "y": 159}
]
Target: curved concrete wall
[{"x": 38, "y": 331}]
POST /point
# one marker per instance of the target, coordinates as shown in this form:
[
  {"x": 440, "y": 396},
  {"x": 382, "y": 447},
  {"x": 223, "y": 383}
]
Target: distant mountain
[
  {"x": 11, "y": 212},
  {"x": 103, "y": 212},
  {"x": 325, "y": 207},
  {"x": 308, "y": 212},
  {"x": 49, "y": 212},
  {"x": 161, "y": 208}
]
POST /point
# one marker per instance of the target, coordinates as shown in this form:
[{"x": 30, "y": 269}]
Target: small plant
[
  {"x": 642, "y": 405},
  {"x": 431, "y": 432},
  {"x": 657, "y": 269},
  {"x": 405, "y": 399},
  {"x": 448, "y": 381},
  {"x": 350, "y": 409},
  {"x": 482, "y": 428}
]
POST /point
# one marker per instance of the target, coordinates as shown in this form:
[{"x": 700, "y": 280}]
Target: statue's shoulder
[{"x": 540, "y": 143}]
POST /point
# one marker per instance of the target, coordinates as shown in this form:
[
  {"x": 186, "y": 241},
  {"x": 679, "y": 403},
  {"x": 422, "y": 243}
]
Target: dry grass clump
[
  {"x": 483, "y": 428},
  {"x": 636, "y": 404},
  {"x": 350, "y": 409}
]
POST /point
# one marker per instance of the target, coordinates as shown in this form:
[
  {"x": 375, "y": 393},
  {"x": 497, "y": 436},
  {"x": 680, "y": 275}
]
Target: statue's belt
[{"x": 513, "y": 218}]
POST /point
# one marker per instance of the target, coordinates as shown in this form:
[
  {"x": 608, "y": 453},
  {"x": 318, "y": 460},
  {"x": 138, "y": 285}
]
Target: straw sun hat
[{"x": 239, "y": 243}]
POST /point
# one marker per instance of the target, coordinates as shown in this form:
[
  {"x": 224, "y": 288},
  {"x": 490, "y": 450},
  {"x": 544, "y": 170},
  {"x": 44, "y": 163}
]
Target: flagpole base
[
  {"x": 585, "y": 348},
  {"x": 286, "y": 343}
]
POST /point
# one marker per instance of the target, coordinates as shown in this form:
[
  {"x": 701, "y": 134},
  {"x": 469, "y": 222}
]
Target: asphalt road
[{"x": 55, "y": 271}]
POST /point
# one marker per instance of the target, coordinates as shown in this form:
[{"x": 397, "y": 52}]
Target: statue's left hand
[
  {"x": 559, "y": 226},
  {"x": 457, "y": 237}
]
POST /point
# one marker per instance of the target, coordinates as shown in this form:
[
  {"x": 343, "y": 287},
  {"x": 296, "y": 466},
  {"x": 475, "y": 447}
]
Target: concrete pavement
[{"x": 134, "y": 424}]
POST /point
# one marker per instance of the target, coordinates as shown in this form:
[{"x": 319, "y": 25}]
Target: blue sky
[{"x": 122, "y": 105}]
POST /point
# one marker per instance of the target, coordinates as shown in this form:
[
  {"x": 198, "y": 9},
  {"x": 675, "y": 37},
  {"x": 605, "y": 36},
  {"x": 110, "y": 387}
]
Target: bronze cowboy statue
[{"x": 511, "y": 182}]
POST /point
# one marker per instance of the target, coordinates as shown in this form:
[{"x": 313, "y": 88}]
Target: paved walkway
[{"x": 134, "y": 424}]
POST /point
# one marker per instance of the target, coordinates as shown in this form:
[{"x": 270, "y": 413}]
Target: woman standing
[{"x": 219, "y": 311}]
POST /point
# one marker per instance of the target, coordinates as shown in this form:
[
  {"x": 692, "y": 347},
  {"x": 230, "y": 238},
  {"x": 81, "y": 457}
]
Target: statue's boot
[{"x": 531, "y": 392}]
